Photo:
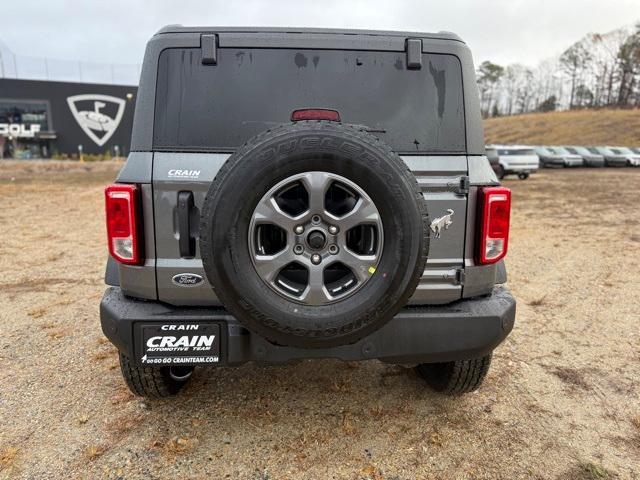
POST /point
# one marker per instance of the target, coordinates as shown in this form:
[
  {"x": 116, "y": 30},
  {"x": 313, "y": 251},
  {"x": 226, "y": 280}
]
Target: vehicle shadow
[{"x": 350, "y": 396}]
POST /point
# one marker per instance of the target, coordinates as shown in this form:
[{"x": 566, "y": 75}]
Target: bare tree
[{"x": 598, "y": 70}]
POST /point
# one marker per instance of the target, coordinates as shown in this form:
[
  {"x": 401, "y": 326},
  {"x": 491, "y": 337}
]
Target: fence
[{"x": 42, "y": 68}]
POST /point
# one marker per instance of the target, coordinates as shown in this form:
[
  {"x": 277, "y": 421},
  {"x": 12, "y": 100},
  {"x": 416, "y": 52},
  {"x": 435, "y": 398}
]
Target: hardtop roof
[{"x": 442, "y": 35}]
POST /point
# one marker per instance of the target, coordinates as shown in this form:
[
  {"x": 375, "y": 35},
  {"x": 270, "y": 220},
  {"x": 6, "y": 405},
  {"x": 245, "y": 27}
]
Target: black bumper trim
[{"x": 465, "y": 329}]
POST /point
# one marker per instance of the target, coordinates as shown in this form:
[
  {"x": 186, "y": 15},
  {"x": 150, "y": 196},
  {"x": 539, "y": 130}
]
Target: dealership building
[{"x": 43, "y": 119}]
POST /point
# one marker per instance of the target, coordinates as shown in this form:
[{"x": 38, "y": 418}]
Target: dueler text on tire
[{"x": 314, "y": 234}]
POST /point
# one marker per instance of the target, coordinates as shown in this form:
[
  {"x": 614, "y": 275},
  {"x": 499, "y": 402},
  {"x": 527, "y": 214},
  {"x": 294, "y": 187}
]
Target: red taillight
[
  {"x": 494, "y": 213},
  {"x": 122, "y": 223},
  {"x": 315, "y": 114}
]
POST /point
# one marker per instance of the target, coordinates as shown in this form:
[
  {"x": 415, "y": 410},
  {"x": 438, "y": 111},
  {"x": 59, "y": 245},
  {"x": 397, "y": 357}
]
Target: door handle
[{"x": 186, "y": 242}]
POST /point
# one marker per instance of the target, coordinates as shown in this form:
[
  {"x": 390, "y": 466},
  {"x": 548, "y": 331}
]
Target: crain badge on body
[
  {"x": 186, "y": 174},
  {"x": 187, "y": 279}
]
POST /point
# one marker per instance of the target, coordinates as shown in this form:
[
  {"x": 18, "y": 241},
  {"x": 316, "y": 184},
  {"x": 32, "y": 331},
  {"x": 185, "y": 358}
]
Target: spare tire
[{"x": 314, "y": 234}]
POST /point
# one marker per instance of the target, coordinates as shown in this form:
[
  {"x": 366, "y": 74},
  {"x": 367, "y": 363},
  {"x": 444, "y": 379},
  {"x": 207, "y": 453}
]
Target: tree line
[{"x": 600, "y": 70}]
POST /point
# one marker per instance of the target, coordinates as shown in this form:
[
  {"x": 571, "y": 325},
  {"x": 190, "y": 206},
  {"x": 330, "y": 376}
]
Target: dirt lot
[{"x": 561, "y": 400}]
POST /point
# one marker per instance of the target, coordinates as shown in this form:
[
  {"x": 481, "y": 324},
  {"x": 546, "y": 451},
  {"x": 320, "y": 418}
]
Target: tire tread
[
  {"x": 149, "y": 382},
  {"x": 456, "y": 377}
]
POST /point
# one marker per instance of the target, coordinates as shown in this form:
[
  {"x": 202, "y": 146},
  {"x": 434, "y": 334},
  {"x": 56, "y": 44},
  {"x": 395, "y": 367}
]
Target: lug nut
[
  {"x": 333, "y": 249},
  {"x": 316, "y": 219},
  {"x": 299, "y": 229},
  {"x": 298, "y": 249},
  {"x": 316, "y": 259},
  {"x": 333, "y": 229}
]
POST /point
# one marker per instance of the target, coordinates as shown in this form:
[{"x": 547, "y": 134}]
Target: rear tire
[
  {"x": 154, "y": 382},
  {"x": 457, "y": 377},
  {"x": 523, "y": 176},
  {"x": 500, "y": 172}
]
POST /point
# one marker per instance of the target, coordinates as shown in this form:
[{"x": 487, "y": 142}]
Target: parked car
[
  {"x": 633, "y": 158},
  {"x": 570, "y": 159},
  {"x": 635, "y": 150},
  {"x": 494, "y": 161},
  {"x": 276, "y": 223},
  {"x": 515, "y": 159},
  {"x": 552, "y": 159},
  {"x": 590, "y": 159},
  {"x": 549, "y": 159},
  {"x": 611, "y": 158}
]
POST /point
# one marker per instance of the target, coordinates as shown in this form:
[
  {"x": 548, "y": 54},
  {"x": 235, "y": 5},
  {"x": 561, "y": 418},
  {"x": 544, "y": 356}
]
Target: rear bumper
[
  {"x": 464, "y": 329},
  {"x": 616, "y": 162},
  {"x": 573, "y": 162},
  {"x": 594, "y": 162},
  {"x": 553, "y": 162},
  {"x": 523, "y": 168}
]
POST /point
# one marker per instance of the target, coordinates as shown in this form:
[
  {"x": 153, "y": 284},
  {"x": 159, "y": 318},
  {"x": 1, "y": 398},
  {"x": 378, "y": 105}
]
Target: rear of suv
[{"x": 298, "y": 194}]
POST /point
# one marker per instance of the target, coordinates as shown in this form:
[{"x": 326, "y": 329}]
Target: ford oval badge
[{"x": 187, "y": 279}]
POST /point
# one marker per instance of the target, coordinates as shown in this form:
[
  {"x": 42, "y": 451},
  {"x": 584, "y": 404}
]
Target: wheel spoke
[
  {"x": 316, "y": 184},
  {"x": 268, "y": 211},
  {"x": 363, "y": 212},
  {"x": 316, "y": 293},
  {"x": 268, "y": 266},
  {"x": 360, "y": 265}
]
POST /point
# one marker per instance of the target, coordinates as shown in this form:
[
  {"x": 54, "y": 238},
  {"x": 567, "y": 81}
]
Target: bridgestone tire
[
  {"x": 460, "y": 376},
  {"x": 291, "y": 149},
  {"x": 151, "y": 382}
]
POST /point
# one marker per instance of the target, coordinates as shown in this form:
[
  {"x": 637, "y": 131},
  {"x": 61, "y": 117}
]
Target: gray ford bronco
[{"x": 305, "y": 193}]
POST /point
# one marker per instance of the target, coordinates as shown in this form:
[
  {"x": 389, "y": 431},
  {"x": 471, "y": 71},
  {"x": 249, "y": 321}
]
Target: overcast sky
[{"x": 115, "y": 31}]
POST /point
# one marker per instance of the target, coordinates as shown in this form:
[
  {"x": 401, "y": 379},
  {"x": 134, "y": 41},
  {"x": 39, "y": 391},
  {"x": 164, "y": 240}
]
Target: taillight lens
[
  {"x": 315, "y": 114},
  {"x": 122, "y": 223},
  {"x": 494, "y": 213}
]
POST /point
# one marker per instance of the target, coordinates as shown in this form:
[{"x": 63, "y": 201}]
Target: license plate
[{"x": 180, "y": 343}]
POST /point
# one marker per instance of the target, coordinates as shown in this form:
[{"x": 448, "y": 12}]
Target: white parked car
[{"x": 516, "y": 159}]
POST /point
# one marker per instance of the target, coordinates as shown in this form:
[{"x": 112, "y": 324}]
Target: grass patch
[
  {"x": 577, "y": 127},
  {"x": 7, "y": 457},
  {"x": 593, "y": 471},
  {"x": 176, "y": 446},
  {"x": 93, "y": 452}
]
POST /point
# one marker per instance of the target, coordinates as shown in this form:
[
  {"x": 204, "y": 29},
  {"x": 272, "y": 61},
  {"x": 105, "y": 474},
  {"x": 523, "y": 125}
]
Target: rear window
[{"x": 218, "y": 108}]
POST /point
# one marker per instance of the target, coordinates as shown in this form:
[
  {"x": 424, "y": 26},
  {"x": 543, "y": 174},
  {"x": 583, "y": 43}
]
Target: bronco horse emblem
[{"x": 442, "y": 223}]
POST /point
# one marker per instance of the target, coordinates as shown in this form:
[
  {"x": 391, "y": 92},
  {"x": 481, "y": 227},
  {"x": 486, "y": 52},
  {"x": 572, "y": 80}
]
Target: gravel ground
[{"x": 561, "y": 400}]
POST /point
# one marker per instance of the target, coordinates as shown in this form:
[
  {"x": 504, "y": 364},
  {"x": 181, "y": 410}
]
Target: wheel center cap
[{"x": 316, "y": 240}]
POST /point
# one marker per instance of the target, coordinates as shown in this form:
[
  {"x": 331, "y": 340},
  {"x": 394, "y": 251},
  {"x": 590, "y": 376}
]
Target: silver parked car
[
  {"x": 633, "y": 158},
  {"x": 570, "y": 159},
  {"x": 590, "y": 159},
  {"x": 548, "y": 158},
  {"x": 612, "y": 158}
]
